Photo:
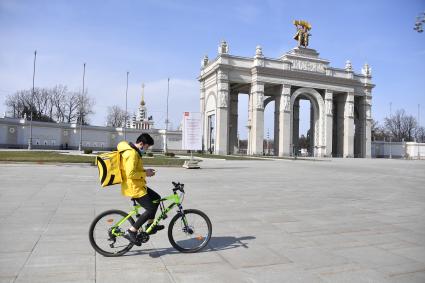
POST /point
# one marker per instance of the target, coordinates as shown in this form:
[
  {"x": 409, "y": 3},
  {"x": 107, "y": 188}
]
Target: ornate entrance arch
[
  {"x": 300, "y": 73},
  {"x": 317, "y": 130}
]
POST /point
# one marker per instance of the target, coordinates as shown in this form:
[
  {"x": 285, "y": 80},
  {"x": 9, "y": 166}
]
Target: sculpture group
[
  {"x": 340, "y": 101},
  {"x": 302, "y": 35}
]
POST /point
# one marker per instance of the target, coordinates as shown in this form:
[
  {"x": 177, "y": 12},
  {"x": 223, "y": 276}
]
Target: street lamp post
[
  {"x": 391, "y": 136},
  {"x": 125, "y": 116},
  {"x": 80, "y": 145},
  {"x": 239, "y": 143},
  {"x": 166, "y": 121},
  {"x": 32, "y": 101},
  {"x": 268, "y": 143}
]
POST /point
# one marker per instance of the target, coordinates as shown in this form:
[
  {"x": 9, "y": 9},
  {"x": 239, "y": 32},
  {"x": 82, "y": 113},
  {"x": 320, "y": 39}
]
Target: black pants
[{"x": 146, "y": 202}]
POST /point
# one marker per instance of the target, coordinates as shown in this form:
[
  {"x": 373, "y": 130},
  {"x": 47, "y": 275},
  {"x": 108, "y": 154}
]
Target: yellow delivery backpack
[{"x": 109, "y": 168}]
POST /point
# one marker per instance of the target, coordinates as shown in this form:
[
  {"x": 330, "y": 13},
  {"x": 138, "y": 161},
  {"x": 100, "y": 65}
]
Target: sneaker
[
  {"x": 155, "y": 229},
  {"x": 132, "y": 237}
]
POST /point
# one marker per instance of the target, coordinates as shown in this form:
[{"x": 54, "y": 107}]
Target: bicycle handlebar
[{"x": 178, "y": 187}]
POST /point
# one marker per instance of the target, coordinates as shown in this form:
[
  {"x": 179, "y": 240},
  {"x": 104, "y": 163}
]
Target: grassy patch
[
  {"x": 161, "y": 160},
  {"x": 227, "y": 157},
  {"x": 43, "y": 156},
  {"x": 56, "y": 157}
]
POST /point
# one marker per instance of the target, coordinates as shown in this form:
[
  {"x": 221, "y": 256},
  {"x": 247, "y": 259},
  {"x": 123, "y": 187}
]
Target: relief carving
[
  {"x": 368, "y": 113},
  {"x": 223, "y": 99},
  {"x": 329, "y": 107},
  {"x": 286, "y": 103},
  {"x": 260, "y": 100},
  {"x": 308, "y": 66},
  {"x": 350, "y": 110}
]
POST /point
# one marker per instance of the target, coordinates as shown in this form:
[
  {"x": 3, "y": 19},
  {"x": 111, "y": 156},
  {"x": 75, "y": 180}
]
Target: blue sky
[{"x": 154, "y": 40}]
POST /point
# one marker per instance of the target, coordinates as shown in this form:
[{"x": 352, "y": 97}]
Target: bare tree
[
  {"x": 58, "y": 100},
  {"x": 85, "y": 107},
  {"x": 401, "y": 126},
  {"x": 24, "y": 102},
  {"x": 71, "y": 107},
  {"x": 379, "y": 132},
  {"x": 19, "y": 103},
  {"x": 420, "y": 134},
  {"x": 409, "y": 126},
  {"x": 55, "y": 104},
  {"x": 116, "y": 116}
]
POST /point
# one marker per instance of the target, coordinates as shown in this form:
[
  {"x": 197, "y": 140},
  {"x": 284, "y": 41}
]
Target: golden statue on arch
[{"x": 303, "y": 28}]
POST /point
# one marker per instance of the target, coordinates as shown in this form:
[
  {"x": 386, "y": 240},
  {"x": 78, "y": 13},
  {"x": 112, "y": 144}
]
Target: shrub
[
  {"x": 88, "y": 151},
  {"x": 170, "y": 154},
  {"x": 150, "y": 154}
]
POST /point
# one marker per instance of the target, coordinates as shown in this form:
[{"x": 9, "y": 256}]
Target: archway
[
  {"x": 317, "y": 120},
  {"x": 210, "y": 122},
  {"x": 270, "y": 126},
  {"x": 302, "y": 134}
]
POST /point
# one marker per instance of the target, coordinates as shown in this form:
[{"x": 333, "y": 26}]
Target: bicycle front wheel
[
  {"x": 106, "y": 238},
  {"x": 190, "y": 232}
]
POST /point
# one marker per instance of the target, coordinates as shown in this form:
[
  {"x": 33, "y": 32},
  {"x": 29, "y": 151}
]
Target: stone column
[
  {"x": 366, "y": 121},
  {"x": 248, "y": 149},
  {"x": 349, "y": 125},
  {"x": 328, "y": 122},
  {"x": 233, "y": 126},
  {"x": 203, "y": 115},
  {"x": 285, "y": 121},
  {"x": 257, "y": 119},
  {"x": 276, "y": 125},
  {"x": 313, "y": 140},
  {"x": 339, "y": 124},
  {"x": 296, "y": 123},
  {"x": 222, "y": 126}
]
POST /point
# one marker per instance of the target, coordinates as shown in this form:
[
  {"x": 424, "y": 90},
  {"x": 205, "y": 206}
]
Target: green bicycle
[{"x": 189, "y": 230}]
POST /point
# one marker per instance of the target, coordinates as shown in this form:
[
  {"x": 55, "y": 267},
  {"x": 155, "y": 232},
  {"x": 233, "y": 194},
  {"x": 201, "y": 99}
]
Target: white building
[
  {"x": 15, "y": 133},
  {"x": 141, "y": 121}
]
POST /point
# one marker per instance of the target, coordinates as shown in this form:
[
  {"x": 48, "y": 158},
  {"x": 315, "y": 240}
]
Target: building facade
[
  {"x": 141, "y": 121},
  {"x": 340, "y": 99},
  {"x": 15, "y": 133}
]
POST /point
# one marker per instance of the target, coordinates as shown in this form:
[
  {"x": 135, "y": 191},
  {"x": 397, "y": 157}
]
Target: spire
[{"x": 143, "y": 95}]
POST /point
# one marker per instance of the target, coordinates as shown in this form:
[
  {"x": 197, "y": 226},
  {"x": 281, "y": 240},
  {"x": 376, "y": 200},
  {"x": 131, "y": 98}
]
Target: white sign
[{"x": 192, "y": 131}]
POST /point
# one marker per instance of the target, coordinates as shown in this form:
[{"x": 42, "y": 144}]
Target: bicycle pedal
[{"x": 143, "y": 237}]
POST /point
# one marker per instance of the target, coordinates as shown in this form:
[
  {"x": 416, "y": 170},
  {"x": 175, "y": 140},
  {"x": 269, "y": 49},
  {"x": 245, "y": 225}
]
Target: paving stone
[
  {"x": 11, "y": 264},
  {"x": 372, "y": 256},
  {"x": 312, "y": 257},
  {"x": 347, "y": 220},
  {"x": 416, "y": 253},
  {"x": 356, "y": 276}
]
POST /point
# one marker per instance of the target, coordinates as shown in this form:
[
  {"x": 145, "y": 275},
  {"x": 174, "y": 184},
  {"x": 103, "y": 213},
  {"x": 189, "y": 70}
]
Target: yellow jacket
[{"x": 132, "y": 172}]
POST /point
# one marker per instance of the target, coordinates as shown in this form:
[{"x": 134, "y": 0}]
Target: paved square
[{"x": 273, "y": 221}]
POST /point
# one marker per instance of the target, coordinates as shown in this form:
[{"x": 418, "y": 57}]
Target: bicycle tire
[
  {"x": 93, "y": 243},
  {"x": 196, "y": 248}
]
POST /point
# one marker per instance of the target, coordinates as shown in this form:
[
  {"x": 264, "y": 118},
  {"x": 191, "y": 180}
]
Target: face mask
[{"x": 142, "y": 151}]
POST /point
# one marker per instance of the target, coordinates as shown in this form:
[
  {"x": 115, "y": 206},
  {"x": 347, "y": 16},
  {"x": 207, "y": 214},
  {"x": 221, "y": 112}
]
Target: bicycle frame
[{"x": 174, "y": 198}]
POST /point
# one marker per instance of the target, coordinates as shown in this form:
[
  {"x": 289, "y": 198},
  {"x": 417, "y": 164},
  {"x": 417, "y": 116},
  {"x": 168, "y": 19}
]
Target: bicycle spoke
[
  {"x": 106, "y": 238},
  {"x": 193, "y": 236}
]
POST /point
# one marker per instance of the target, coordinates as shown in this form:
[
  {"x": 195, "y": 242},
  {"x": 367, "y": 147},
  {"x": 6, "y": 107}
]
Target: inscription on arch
[{"x": 308, "y": 66}]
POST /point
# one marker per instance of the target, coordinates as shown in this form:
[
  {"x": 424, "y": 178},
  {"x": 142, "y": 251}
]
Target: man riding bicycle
[{"x": 134, "y": 184}]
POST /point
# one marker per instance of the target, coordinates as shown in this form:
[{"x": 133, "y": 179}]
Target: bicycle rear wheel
[
  {"x": 190, "y": 232},
  {"x": 107, "y": 239}
]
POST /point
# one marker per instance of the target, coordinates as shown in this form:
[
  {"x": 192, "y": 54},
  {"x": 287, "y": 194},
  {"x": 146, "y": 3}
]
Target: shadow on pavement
[
  {"x": 223, "y": 168},
  {"x": 215, "y": 244}
]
